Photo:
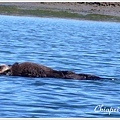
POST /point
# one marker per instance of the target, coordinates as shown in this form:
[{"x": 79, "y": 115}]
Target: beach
[{"x": 104, "y": 11}]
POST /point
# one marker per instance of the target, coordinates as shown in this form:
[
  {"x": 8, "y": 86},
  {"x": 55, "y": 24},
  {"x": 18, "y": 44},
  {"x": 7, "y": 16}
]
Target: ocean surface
[{"x": 62, "y": 44}]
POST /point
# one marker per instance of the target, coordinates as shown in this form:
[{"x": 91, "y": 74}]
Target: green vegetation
[
  {"x": 13, "y": 10},
  {"x": 99, "y": 17},
  {"x": 8, "y": 9},
  {"x": 51, "y": 13}
]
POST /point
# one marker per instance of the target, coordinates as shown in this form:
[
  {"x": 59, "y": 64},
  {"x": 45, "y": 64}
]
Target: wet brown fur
[{"x": 28, "y": 69}]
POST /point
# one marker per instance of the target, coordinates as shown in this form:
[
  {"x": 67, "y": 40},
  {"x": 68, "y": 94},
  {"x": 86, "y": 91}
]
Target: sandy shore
[{"x": 84, "y": 8}]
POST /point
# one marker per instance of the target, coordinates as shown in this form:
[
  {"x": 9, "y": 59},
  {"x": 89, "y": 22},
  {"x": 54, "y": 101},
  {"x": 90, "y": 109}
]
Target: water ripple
[{"x": 79, "y": 46}]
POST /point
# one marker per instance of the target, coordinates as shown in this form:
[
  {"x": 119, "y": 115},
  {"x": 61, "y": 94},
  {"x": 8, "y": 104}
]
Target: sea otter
[{"x": 28, "y": 69}]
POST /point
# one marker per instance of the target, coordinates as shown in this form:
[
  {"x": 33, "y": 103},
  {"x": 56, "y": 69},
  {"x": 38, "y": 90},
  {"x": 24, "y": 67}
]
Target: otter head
[{"x": 4, "y": 68}]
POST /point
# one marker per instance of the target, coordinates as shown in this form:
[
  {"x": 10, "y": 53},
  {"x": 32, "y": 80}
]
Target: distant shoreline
[{"x": 81, "y": 11}]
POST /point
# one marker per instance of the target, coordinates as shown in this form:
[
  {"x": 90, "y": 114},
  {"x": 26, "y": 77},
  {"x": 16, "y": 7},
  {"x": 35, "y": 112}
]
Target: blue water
[{"x": 62, "y": 44}]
